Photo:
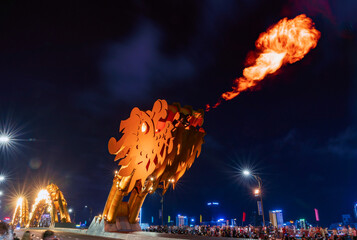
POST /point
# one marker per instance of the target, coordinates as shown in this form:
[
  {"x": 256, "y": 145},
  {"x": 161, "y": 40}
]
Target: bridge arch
[
  {"x": 49, "y": 200},
  {"x": 21, "y": 213}
]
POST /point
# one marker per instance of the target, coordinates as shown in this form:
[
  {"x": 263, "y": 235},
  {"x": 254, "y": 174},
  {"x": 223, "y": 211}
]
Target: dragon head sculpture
[
  {"x": 157, "y": 144},
  {"x": 146, "y": 140}
]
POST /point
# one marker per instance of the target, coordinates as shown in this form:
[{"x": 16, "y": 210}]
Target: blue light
[
  {"x": 192, "y": 220},
  {"x": 215, "y": 203},
  {"x": 209, "y": 204}
]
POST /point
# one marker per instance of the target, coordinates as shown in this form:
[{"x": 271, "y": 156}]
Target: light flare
[
  {"x": 18, "y": 206},
  {"x": 42, "y": 196},
  {"x": 288, "y": 41}
]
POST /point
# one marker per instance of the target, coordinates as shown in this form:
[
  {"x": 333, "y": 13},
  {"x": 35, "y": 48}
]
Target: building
[
  {"x": 276, "y": 218},
  {"x": 213, "y": 211},
  {"x": 301, "y": 224},
  {"x": 181, "y": 221},
  {"x": 346, "y": 219},
  {"x": 355, "y": 208}
]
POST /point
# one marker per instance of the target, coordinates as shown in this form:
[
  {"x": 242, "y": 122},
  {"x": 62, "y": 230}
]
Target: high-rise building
[
  {"x": 300, "y": 224},
  {"x": 346, "y": 219},
  {"x": 355, "y": 208},
  {"x": 276, "y": 218},
  {"x": 181, "y": 221},
  {"x": 213, "y": 211}
]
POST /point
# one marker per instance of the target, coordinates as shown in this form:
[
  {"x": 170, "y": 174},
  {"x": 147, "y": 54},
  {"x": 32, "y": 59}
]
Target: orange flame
[{"x": 288, "y": 41}]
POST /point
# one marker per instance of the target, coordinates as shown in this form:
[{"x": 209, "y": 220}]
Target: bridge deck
[{"x": 77, "y": 234}]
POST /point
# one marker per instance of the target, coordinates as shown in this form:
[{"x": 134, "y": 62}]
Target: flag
[
  {"x": 200, "y": 218},
  {"x": 168, "y": 219},
  {"x": 243, "y": 219},
  {"x": 317, "y": 215}
]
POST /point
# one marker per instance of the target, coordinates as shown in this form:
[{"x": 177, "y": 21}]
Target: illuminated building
[
  {"x": 181, "y": 220},
  {"x": 301, "y": 224},
  {"x": 276, "y": 218},
  {"x": 355, "y": 208},
  {"x": 213, "y": 211}
]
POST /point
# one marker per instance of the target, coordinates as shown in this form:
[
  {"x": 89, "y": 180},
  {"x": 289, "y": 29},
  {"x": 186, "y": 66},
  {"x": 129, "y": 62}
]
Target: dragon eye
[{"x": 144, "y": 127}]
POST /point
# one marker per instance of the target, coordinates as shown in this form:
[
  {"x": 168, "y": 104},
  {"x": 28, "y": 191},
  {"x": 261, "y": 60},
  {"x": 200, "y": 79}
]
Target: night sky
[{"x": 70, "y": 72}]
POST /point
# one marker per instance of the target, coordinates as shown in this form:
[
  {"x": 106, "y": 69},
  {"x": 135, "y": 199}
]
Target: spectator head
[
  {"x": 26, "y": 236},
  {"x": 4, "y": 229},
  {"x": 48, "y": 235}
]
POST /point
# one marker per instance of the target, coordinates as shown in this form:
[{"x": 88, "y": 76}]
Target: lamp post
[
  {"x": 257, "y": 191},
  {"x": 2, "y": 179},
  {"x": 90, "y": 212},
  {"x": 162, "y": 210},
  {"x": 170, "y": 181},
  {"x": 4, "y": 139},
  {"x": 74, "y": 214}
]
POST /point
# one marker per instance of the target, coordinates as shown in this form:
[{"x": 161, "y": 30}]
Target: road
[{"x": 61, "y": 235}]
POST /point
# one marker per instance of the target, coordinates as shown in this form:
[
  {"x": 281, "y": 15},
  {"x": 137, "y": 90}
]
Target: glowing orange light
[
  {"x": 42, "y": 195},
  {"x": 288, "y": 41},
  {"x": 18, "y": 206},
  {"x": 144, "y": 127},
  {"x": 19, "y": 201},
  {"x": 256, "y": 192}
]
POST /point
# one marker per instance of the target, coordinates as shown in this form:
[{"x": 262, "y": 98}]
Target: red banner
[{"x": 243, "y": 217}]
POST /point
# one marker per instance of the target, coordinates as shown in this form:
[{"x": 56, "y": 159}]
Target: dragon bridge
[
  {"x": 21, "y": 213},
  {"x": 156, "y": 148},
  {"x": 50, "y": 200}
]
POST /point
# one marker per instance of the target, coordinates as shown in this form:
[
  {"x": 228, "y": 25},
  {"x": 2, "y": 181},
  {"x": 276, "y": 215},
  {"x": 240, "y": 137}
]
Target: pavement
[
  {"x": 59, "y": 234},
  {"x": 76, "y": 234}
]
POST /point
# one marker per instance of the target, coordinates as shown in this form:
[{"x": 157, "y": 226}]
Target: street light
[
  {"x": 4, "y": 139},
  {"x": 2, "y": 178},
  {"x": 1, "y": 193},
  {"x": 90, "y": 212},
  {"x": 257, "y": 191}
]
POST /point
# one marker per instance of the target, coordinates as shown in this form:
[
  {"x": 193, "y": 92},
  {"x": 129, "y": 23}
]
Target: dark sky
[{"x": 70, "y": 72}]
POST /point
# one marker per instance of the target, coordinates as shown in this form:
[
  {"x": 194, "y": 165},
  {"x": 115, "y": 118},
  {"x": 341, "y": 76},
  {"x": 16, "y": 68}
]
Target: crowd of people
[
  {"x": 7, "y": 233},
  {"x": 270, "y": 232},
  {"x": 284, "y": 233}
]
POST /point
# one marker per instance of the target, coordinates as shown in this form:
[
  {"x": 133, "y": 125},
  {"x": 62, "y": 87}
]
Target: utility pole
[{"x": 162, "y": 210}]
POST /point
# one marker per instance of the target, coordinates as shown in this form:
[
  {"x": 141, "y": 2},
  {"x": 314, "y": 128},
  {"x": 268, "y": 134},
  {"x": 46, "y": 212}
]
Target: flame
[{"x": 288, "y": 41}]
